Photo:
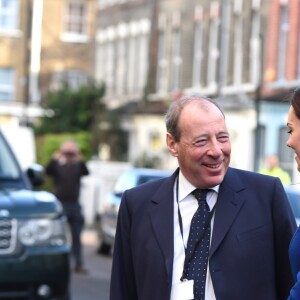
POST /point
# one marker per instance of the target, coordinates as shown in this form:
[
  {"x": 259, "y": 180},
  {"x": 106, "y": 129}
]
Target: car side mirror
[{"x": 35, "y": 174}]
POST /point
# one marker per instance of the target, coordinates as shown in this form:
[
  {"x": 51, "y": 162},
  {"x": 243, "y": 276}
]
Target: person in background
[
  {"x": 293, "y": 124},
  {"x": 66, "y": 169},
  {"x": 244, "y": 218},
  {"x": 272, "y": 168}
]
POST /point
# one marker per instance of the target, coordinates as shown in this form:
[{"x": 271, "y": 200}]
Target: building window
[
  {"x": 225, "y": 70},
  {"x": 121, "y": 69},
  {"x": 138, "y": 55},
  {"x": 213, "y": 51},
  {"x": 106, "y": 3},
  {"x": 123, "y": 51},
  {"x": 73, "y": 78},
  {"x": 162, "y": 59},
  {"x": 256, "y": 46},
  {"x": 9, "y": 15},
  {"x": 75, "y": 22},
  {"x": 176, "y": 59},
  {"x": 132, "y": 62},
  {"x": 198, "y": 47},
  {"x": 162, "y": 62},
  {"x": 241, "y": 47},
  {"x": 101, "y": 67},
  {"x": 283, "y": 33},
  {"x": 238, "y": 43},
  {"x": 121, "y": 58},
  {"x": 7, "y": 84},
  {"x": 142, "y": 67},
  {"x": 111, "y": 52},
  {"x": 107, "y": 54}
]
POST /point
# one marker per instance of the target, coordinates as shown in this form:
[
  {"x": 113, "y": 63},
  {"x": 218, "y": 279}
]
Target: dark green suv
[{"x": 34, "y": 252}]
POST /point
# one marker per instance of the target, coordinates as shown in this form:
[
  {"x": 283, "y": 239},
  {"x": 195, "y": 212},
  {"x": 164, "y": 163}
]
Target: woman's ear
[{"x": 172, "y": 145}]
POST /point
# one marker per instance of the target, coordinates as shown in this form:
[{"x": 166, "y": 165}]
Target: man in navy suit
[{"x": 251, "y": 221}]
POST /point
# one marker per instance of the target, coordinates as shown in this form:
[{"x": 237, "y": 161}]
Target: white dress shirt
[{"x": 188, "y": 206}]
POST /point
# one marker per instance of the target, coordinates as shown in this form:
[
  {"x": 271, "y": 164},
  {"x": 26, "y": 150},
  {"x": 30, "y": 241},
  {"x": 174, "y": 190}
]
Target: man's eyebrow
[{"x": 223, "y": 132}]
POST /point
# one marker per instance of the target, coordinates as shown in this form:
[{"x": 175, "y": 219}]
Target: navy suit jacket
[{"x": 248, "y": 259}]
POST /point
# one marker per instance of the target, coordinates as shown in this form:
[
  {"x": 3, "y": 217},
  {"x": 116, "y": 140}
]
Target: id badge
[{"x": 183, "y": 290}]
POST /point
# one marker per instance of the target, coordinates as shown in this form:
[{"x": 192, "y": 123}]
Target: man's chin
[{"x": 215, "y": 180}]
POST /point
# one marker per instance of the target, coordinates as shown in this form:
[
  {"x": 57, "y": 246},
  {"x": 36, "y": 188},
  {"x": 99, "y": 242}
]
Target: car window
[
  {"x": 124, "y": 182},
  {"x": 8, "y": 166},
  {"x": 294, "y": 199},
  {"x": 130, "y": 179},
  {"x": 146, "y": 178}
]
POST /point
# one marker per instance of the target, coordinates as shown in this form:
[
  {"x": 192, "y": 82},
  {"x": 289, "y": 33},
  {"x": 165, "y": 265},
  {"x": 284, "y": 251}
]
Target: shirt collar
[{"x": 185, "y": 187}]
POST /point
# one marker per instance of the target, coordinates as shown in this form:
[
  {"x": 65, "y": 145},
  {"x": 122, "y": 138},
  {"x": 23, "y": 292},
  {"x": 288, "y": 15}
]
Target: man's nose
[{"x": 215, "y": 148}]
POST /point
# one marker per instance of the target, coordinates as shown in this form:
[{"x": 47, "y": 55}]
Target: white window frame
[
  {"x": 256, "y": 45},
  {"x": 106, "y": 3},
  {"x": 238, "y": 43},
  {"x": 106, "y": 63},
  {"x": 198, "y": 47},
  {"x": 9, "y": 17},
  {"x": 8, "y": 87},
  {"x": 176, "y": 59},
  {"x": 73, "y": 17},
  {"x": 111, "y": 67},
  {"x": 73, "y": 77},
  {"x": 213, "y": 52},
  {"x": 132, "y": 62},
  {"x": 138, "y": 51},
  {"x": 121, "y": 66},
  {"x": 121, "y": 58},
  {"x": 225, "y": 47},
  {"x": 282, "y": 41},
  {"x": 143, "y": 54},
  {"x": 162, "y": 66},
  {"x": 143, "y": 41}
]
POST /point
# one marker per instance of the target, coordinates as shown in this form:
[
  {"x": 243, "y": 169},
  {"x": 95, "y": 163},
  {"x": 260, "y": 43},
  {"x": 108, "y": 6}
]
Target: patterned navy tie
[{"x": 198, "y": 250}]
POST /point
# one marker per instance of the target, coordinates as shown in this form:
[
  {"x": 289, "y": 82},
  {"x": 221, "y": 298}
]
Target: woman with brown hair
[{"x": 293, "y": 123}]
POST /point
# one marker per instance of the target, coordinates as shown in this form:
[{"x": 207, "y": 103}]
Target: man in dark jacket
[
  {"x": 250, "y": 222},
  {"x": 66, "y": 168}
]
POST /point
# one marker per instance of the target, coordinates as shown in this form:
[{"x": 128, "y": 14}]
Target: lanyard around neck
[{"x": 189, "y": 257}]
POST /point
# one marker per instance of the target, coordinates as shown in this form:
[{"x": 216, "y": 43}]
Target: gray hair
[{"x": 175, "y": 109}]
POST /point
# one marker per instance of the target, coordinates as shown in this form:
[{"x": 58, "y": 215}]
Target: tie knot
[{"x": 200, "y": 194}]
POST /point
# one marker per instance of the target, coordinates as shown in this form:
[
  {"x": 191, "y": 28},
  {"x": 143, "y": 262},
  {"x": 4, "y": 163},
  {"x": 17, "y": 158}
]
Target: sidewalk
[{"x": 95, "y": 284}]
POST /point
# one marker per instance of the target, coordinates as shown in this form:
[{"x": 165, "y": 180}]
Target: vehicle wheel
[{"x": 104, "y": 248}]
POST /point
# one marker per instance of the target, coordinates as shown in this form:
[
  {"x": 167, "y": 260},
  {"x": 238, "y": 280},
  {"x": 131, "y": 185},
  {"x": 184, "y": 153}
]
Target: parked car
[
  {"x": 293, "y": 193},
  {"x": 107, "y": 221},
  {"x": 34, "y": 252}
]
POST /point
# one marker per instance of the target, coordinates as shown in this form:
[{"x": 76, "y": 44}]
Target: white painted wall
[
  {"x": 97, "y": 184},
  {"x": 241, "y": 126}
]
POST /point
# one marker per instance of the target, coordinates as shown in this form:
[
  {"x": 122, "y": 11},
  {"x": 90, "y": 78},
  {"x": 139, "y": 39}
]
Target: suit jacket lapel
[
  {"x": 161, "y": 213},
  {"x": 228, "y": 205},
  {"x": 162, "y": 220}
]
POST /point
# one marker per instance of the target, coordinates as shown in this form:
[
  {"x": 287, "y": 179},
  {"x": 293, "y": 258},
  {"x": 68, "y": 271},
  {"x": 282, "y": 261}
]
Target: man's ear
[{"x": 172, "y": 145}]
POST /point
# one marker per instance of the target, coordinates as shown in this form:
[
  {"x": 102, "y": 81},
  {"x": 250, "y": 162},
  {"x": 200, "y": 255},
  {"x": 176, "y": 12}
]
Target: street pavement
[{"x": 95, "y": 284}]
